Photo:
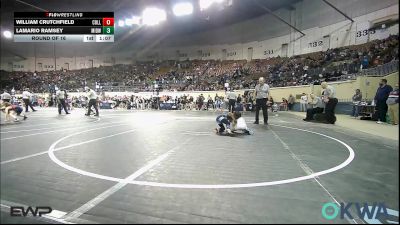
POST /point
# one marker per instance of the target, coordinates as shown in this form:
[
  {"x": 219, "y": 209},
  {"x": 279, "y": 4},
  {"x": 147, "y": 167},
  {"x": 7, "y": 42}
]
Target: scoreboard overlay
[{"x": 63, "y": 26}]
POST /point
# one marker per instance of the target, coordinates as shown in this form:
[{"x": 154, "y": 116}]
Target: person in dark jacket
[{"x": 381, "y": 96}]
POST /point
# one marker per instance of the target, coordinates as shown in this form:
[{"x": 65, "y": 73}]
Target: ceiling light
[
  {"x": 153, "y": 16},
  {"x": 135, "y": 20},
  {"x": 7, "y": 34},
  {"x": 205, "y": 4},
  {"x": 183, "y": 9}
]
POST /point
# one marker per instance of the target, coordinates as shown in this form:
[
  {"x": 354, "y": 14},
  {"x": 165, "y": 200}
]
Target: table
[{"x": 366, "y": 110}]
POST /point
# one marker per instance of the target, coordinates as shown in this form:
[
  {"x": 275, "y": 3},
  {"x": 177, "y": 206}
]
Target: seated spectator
[{"x": 284, "y": 104}]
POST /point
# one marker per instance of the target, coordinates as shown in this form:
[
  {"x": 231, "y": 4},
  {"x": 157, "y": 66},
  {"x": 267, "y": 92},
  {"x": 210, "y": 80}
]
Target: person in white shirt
[
  {"x": 26, "y": 97},
  {"x": 92, "y": 96},
  {"x": 261, "y": 94},
  {"x": 331, "y": 101},
  {"x": 60, "y": 95},
  {"x": 318, "y": 106},
  {"x": 303, "y": 102}
]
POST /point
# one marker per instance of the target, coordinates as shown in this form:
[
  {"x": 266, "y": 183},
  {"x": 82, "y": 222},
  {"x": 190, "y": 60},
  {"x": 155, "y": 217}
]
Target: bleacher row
[{"x": 211, "y": 75}]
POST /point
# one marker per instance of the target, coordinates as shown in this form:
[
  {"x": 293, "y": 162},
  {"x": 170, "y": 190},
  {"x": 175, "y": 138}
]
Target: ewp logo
[
  {"x": 35, "y": 211},
  {"x": 376, "y": 212}
]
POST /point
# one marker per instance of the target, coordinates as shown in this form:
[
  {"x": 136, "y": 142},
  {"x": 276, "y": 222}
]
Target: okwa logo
[{"x": 374, "y": 213}]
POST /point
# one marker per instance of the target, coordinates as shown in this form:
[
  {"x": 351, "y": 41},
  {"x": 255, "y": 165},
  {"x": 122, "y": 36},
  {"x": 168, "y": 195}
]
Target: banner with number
[{"x": 362, "y": 32}]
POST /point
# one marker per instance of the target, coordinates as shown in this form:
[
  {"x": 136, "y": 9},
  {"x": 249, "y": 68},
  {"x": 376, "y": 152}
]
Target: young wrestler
[
  {"x": 13, "y": 111},
  {"x": 241, "y": 124},
  {"x": 225, "y": 122},
  {"x": 233, "y": 122}
]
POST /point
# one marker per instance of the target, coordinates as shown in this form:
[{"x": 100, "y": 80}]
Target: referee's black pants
[
  {"x": 262, "y": 104},
  {"x": 92, "y": 102},
  {"x": 28, "y": 103},
  {"x": 330, "y": 110},
  {"x": 61, "y": 105}
]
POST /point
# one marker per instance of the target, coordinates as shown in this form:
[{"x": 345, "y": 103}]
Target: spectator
[
  {"x": 270, "y": 102},
  {"x": 210, "y": 103},
  {"x": 284, "y": 104},
  {"x": 303, "y": 102},
  {"x": 291, "y": 102},
  {"x": 393, "y": 105},
  {"x": 381, "y": 96},
  {"x": 357, "y": 97},
  {"x": 212, "y": 75},
  {"x": 365, "y": 62},
  {"x": 201, "y": 101}
]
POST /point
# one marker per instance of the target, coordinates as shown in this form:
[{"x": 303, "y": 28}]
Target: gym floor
[{"x": 170, "y": 167}]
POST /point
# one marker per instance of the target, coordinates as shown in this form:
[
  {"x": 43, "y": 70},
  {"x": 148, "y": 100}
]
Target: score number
[
  {"x": 108, "y": 22},
  {"x": 108, "y": 25}
]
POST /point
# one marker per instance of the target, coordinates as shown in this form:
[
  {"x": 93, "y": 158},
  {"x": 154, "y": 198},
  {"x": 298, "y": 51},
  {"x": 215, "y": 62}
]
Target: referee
[
  {"x": 92, "y": 101},
  {"x": 60, "y": 96},
  {"x": 330, "y": 102},
  {"x": 26, "y": 97},
  {"x": 261, "y": 95}
]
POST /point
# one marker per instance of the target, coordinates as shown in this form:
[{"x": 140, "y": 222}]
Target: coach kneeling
[{"x": 318, "y": 107}]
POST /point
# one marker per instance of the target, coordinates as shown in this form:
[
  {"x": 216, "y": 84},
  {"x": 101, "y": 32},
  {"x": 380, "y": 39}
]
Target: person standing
[
  {"x": 239, "y": 102},
  {"x": 201, "y": 101},
  {"x": 261, "y": 94},
  {"x": 60, "y": 96},
  {"x": 284, "y": 104},
  {"x": 357, "y": 97},
  {"x": 92, "y": 101},
  {"x": 303, "y": 102},
  {"x": 231, "y": 96},
  {"x": 382, "y": 94},
  {"x": 330, "y": 102},
  {"x": 239, "y": 99},
  {"x": 393, "y": 105},
  {"x": 291, "y": 101},
  {"x": 26, "y": 97},
  {"x": 6, "y": 97},
  {"x": 210, "y": 103}
]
